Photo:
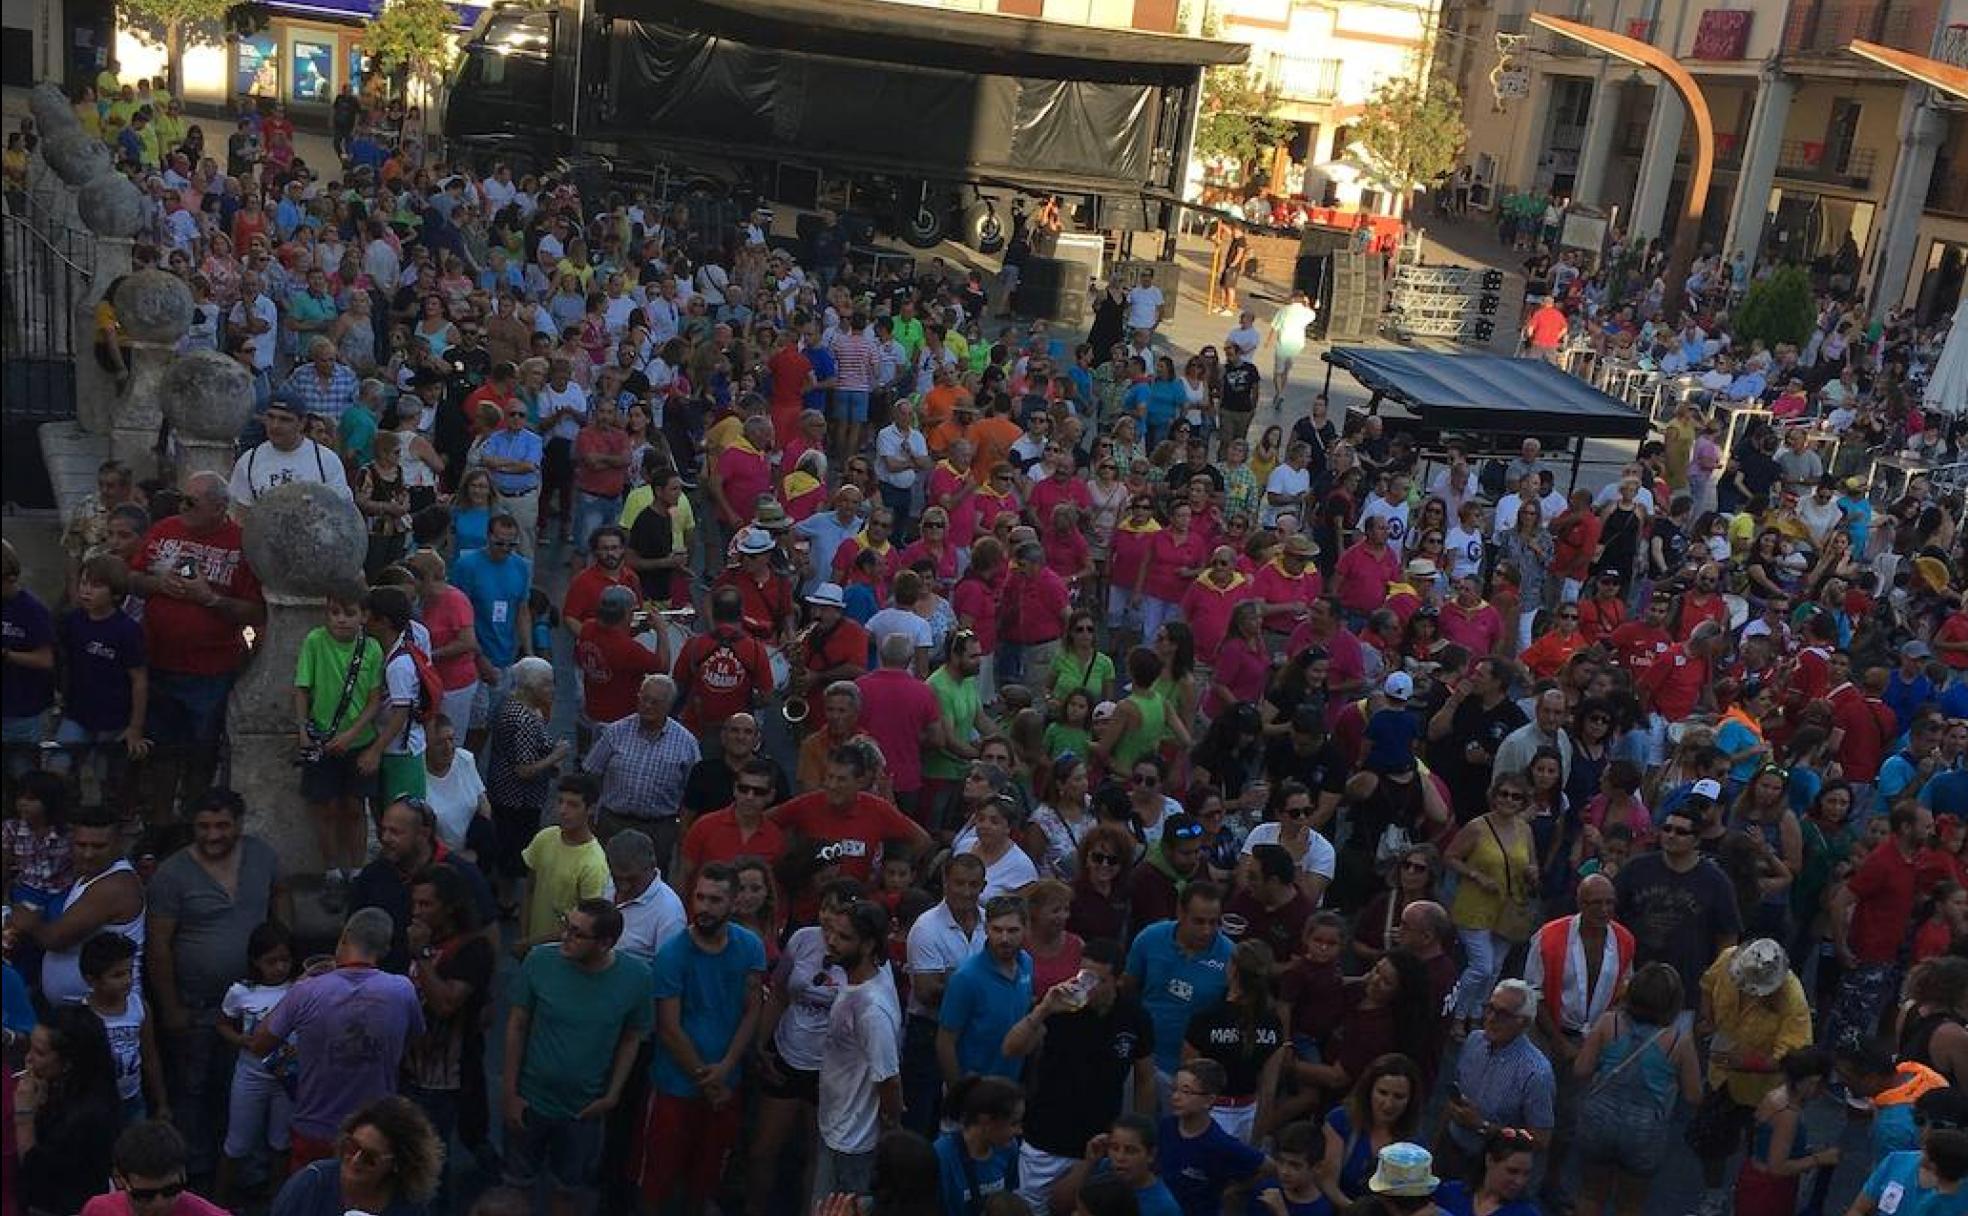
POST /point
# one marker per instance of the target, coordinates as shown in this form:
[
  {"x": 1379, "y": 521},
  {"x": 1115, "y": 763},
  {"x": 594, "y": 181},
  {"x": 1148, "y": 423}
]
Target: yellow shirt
[
  {"x": 1761, "y": 1030},
  {"x": 723, "y": 433},
  {"x": 561, "y": 875},
  {"x": 1475, "y": 908},
  {"x": 683, "y": 517}
]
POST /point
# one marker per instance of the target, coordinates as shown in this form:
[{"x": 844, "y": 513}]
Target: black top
[
  {"x": 1073, "y": 1086},
  {"x": 1217, "y": 1033},
  {"x": 70, "y": 1161},
  {"x": 380, "y": 886},
  {"x": 1469, "y": 784},
  {"x": 1917, "y": 1036}
]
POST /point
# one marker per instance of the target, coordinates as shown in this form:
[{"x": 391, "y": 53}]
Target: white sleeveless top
[{"x": 61, "y": 970}]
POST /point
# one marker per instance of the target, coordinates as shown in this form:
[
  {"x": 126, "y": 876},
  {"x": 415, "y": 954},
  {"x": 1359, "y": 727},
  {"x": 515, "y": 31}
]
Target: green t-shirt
[
  {"x": 1061, "y": 738},
  {"x": 958, "y": 702},
  {"x": 358, "y": 434},
  {"x": 323, "y": 668},
  {"x": 575, "y": 1019},
  {"x": 1070, "y": 672}
]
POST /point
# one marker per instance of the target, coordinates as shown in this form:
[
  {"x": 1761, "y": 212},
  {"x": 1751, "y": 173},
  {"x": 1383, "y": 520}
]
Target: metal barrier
[{"x": 47, "y": 271}]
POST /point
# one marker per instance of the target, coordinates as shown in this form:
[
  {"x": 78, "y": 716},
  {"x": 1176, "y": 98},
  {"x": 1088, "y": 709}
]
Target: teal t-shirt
[
  {"x": 1895, "y": 1190},
  {"x": 358, "y": 434},
  {"x": 576, "y": 1019}
]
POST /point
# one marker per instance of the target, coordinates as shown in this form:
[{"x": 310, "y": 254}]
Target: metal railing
[
  {"x": 1302, "y": 78},
  {"x": 45, "y": 270},
  {"x": 1815, "y": 161},
  {"x": 1826, "y": 26}
]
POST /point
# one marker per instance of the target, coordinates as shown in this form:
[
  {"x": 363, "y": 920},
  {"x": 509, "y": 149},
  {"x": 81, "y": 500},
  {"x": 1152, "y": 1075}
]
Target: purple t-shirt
[
  {"x": 348, "y": 1028},
  {"x": 100, "y": 657},
  {"x": 26, "y": 625}
]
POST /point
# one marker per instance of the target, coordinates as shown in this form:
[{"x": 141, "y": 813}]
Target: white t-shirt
[
  {"x": 1464, "y": 549},
  {"x": 552, "y": 400},
  {"x": 1284, "y": 480},
  {"x": 651, "y": 920},
  {"x": 938, "y": 945},
  {"x": 1008, "y": 874},
  {"x": 250, "y": 1004},
  {"x": 811, "y": 985},
  {"x": 262, "y": 343},
  {"x": 1144, "y": 306},
  {"x": 862, "y": 1050},
  {"x": 454, "y": 798},
  {"x": 1396, "y": 515},
  {"x": 1319, "y": 856},
  {"x": 1246, "y": 338},
  {"x": 899, "y": 620},
  {"x": 891, "y": 442},
  {"x": 400, "y": 675},
  {"x": 266, "y": 467},
  {"x": 1288, "y": 328},
  {"x": 125, "y": 1033}
]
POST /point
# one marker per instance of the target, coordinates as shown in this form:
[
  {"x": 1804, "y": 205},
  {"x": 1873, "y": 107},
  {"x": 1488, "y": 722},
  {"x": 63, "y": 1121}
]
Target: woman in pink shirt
[
  {"x": 1178, "y": 556},
  {"x": 935, "y": 545},
  {"x": 1127, "y": 571},
  {"x": 975, "y": 601},
  {"x": 1243, "y": 663}
]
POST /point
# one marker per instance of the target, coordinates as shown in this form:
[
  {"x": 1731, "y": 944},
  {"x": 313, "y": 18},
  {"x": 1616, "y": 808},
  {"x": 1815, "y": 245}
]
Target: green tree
[
  {"x": 1239, "y": 119},
  {"x": 176, "y": 24},
  {"x": 1409, "y": 135},
  {"x": 415, "y": 37},
  {"x": 1777, "y": 309}
]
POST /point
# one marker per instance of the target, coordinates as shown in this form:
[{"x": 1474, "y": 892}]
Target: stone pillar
[
  {"x": 1657, "y": 165},
  {"x": 1922, "y": 127},
  {"x": 302, "y": 540},
  {"x": 1601, "y": 126},
  {"x": 1761, "y": 151},
  {"x": 208, "y": 398},
  {"x": 153, "y": 309}
]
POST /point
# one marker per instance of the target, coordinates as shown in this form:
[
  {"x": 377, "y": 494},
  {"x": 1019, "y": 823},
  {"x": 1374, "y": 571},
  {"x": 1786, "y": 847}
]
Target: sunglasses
[
  {"x": 145, "y": 1194},
  {"x": 1147, "y": 780},
  {"x": 1510, "y": 796},
  {"x": 930, "y": 525},
  {"x": 1102, "y": 859},
  {"x": 761, "y": 791}
]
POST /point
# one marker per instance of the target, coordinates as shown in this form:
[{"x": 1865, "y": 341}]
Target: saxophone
[{"x": 797, "y": 708}]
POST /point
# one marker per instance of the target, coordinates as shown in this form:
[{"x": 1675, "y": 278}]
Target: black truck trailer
[{"x": 931, "y": 120}]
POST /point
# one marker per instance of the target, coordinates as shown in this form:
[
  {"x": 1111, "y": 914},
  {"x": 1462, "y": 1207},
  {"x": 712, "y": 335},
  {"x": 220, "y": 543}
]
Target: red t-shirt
[
  {"x": 1637, "y": 645},
  {"x": 1548, "y": 326},
  {"x": 716, "y": 836},
  {"x": 612, "y": 665},
  {"x": 767, "y": 605},
  {"x": 1035, "y": 607},
  {"x": 976, "y": 604},
  {"x": 449, "y": 617},
  {"x": 906, "y": 709},
  {"x": 597, "y": 440},
  {"x": 846, "y": 644},
  {"x": 1953, "y": 629},
  {"x": 1696, "y": 608},
  {"x": 1869, "y": 730},
  {"x": 585, "y": 588},
  {"x": 723, "y": 672},
  {"x": 1676, "y": 682},
  {"x": 1883, "y": 894},
  {"x": 1599, "y": 618},
  {"x": 743, "y": 475},
  {"x": 182, "y": 637},
  {"x": 860, "y": 828}
]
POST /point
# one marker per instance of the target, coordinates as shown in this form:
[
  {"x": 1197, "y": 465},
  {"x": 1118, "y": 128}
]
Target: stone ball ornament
[
  {"x": 305, "y": 539},
  {"x": 153, "y": 306},
  {"x": 51, "y": 109},
  {"x": 111, "y": 205},
  {"x": 76, "y": 156},
  {"x": 207, "y": 395}
]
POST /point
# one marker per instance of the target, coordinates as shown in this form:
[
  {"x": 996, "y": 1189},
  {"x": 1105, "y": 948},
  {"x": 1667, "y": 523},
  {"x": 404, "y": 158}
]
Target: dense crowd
[{"x": 793, "y": 749}]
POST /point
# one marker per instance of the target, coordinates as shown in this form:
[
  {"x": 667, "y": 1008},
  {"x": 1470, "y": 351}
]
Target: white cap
[
  {"x": 1707, "y": 788},
  {"x": 755, "y": 541},
  {"x": 1399, "y": 686},
  {"x": 827, "y": 595}
]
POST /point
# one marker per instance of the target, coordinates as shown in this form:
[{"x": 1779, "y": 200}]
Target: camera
[{"x": 316, "y": 749}]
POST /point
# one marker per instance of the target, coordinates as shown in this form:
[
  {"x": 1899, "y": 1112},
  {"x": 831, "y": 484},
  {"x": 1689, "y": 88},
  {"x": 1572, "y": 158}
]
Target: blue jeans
[
  {"x": 186, "y": 708},
  {"x": 592, "y": 511},
  {"x": 900, "y": 503}
]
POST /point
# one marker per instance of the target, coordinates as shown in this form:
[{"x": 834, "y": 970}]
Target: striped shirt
[{"x": 855, "y": 360}]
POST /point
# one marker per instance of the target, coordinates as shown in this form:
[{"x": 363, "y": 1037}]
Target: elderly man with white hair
[
  {"x": 643, "y": 761},
  {"x": 1502, "y": 1080},
  {"x": 323, "y": 384}
]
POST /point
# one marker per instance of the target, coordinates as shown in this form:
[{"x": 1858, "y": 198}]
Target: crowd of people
[{"x": 789, "y": 749}]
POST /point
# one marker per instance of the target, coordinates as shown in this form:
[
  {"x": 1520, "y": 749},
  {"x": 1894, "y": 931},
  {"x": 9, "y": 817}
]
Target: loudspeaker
[
  {"x": 1310, "y": 273},
  {"x": 1313, "y": 241}
]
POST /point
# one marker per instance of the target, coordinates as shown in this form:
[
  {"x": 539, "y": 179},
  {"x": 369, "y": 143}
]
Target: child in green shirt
[{"x": 337, "y": 682}]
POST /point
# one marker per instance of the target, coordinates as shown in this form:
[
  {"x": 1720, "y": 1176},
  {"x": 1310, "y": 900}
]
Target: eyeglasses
[
  {"x": 568, "y": 929},
  {"x": 1102, "y": 859},
  {"x": 145, "y": 1194},
  {"x": 362, "y": 1154},
  {"x": 1149, "y": 780},
  {"x": 757, "y": 791}
]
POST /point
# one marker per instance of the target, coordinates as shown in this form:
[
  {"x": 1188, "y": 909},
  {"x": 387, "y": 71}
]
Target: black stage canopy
[{"x": 1487, "y": 393}]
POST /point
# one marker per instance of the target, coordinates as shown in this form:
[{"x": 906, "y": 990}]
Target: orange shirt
[{"x": 992, "y": 438}]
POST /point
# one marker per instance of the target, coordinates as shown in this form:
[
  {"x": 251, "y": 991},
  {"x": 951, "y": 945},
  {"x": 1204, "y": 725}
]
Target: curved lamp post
[
  {"x": 1687, "y": 233},
  {"x": 1949, "y": 78}
]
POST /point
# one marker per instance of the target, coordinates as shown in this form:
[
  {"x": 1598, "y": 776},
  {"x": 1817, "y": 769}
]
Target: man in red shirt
[
  {"x": 1678, "y": 681},
  {"x": 1545, "y": 331},
  {"x": 765, "y": 597},
  {"x": 1871, "y": 916},
  {"x": 741, "y": 474},
  {"x": 1365, "y": 570},
  {"x": 836, "y": 646},
  {"x": 609, "y": 568},
  {"x": 1033, "y": 610},
  {"x": 1638, "y": 645},
  {"x": 843, "y": 815},
  {"x": 497, "y": 391},
  {"x": 722, "y": 672},
  {"x": 1702, "y": 603},
  {"x": 1470, "y": 621},
  {"x": 738, "y": 830},
  {"x": 601, "y": 471},
  {"x": 1288, "y": 583},
  {"x": 1866, "y": 726},
  {"x": 791, "y": 373},
  {"x": 611, "y": 661},
  {"x": 199, "y": 596},
  {"x": 901, "y": 714},
  {"x": 1576, "y": 531}
]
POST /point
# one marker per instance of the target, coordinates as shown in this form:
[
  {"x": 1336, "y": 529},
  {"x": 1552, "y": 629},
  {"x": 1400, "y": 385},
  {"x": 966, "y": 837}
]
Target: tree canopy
[
  {"x": 1238, "y": 122},
  {"x": 1409, "y": 135}
]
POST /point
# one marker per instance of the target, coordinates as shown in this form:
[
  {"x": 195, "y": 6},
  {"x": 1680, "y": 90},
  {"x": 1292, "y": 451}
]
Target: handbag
[
  {"x": 1514, "y": 922},
  {"x": 1716, "y": 1128}
]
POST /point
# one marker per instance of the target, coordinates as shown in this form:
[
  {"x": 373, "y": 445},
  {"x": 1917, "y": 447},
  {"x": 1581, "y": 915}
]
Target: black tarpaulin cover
[
  {"x": 1489, "y": 393},
  {"x": 673, "y": 81}
]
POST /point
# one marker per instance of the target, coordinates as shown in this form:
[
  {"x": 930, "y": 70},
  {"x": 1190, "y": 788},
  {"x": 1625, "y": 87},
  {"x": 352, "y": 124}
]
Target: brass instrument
[{"x": 797, "y": 708}]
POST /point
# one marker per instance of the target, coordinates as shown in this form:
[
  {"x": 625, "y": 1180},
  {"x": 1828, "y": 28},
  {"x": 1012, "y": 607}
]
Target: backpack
[
  {"x": 721, "y": 670},
  {"x": 430, "y": 689}
]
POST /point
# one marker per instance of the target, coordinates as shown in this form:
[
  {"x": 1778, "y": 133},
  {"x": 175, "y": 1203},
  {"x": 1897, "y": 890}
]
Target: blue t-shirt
[
  {"x": 965, "y": 1182},
  {"x": 1733, "y": 737},
  {"x": 26, "y": 625},
  {"x": 1895, "y": 1190},
  {"x": 1946, "y": 793},
  {"x": 1905, "y": 697},
  {"x": 497, "y": 590},
  {"x": 468, "y": 525},
  {"x": 16, "y": 1006},
  {"x": 711, "y": 990},
  {"x": 1175, "y": 985},
  {"x": 1155, "y": 1199},
  {"x": 1456, "y": 1199},
  {"x": 825, "y": 367},
  {"x": 1198, "y": 1168},
  {"x": 100, "y": 657},
  {"x": 1319, "y": 1205},
  {"x": 981, "y": 1004}
]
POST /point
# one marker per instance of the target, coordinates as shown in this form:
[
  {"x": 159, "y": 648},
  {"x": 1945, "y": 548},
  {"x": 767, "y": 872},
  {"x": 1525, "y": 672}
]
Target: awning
[
  {"x": 940, "y": 37},
  {"x": 1484, "y": 393}
]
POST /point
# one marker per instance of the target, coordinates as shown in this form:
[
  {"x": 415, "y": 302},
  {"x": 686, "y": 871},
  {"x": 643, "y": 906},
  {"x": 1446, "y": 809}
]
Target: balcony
[
  {"x": 1811, "y": 161},
  {"x": 1823, "y": 27},
  {"x": 1947, "y": 194},
  {"x": 1301, "y": 79}
]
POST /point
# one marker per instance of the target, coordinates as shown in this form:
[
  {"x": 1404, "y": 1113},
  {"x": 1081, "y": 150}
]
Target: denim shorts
[
  {"x": 850, "y": 405},
  {"x": 567, "y": 1152}
]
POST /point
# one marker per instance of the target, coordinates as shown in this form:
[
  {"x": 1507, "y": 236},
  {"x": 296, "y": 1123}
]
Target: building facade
[{"x": 1820, "y": 156}]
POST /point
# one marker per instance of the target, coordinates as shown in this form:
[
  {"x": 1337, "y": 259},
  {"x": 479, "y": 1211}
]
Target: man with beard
[
  {"x": 406, "y": 837},
  {"x": 579, "y": 1011},
  {"x": 451, "y": 967},
  {"x": 608, "y": 568},
  {"x": 1465, "y": 734},
  {"x": 1086, "y": 1040},
  {"x": 707, "y": 1011},
  {"x": 986, "y": 997},
  {"x": 860, "y": 1069},
  {"x": 202, "y": 907}
]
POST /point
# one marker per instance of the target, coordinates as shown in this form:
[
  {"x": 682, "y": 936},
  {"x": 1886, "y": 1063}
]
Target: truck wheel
[
  {"x": 982, "y": 230},
  {"x": 924, "y": 225}
]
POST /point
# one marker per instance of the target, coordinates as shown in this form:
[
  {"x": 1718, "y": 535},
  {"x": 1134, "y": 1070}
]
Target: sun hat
[
  {"x": 1404, "y": 1170},
  {"x": 1759, "y": 967},
  {"x": 753, "y": 541}
]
